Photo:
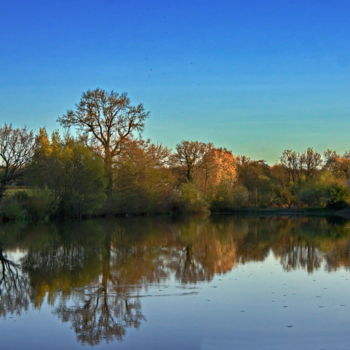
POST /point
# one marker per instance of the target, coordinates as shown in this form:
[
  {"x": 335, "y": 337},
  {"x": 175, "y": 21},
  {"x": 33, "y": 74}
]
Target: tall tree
[
  {"x": 290, "y": 161},
  {"x": 310, "y": 162},
  {"x": 16, "y": 151},
  {"x": 190, "y": 154},
  {"x": 107, "y": 120}
]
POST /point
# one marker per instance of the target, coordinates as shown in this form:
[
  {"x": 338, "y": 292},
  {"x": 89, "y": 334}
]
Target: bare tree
[
  {"x": 298, "y": 164},
  {"x": 16, "y": 151},
  {"x": 310, "y": 161},
  {"x": 107, "y": 120},
  {"x": 190, "y": 154},
  {"x": 290, "y": 161}
]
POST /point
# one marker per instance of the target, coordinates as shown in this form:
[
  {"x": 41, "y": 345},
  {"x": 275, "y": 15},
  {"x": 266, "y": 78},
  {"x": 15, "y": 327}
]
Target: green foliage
[
  {"x": 332, "y": 196},
  {"x": 12, "y": 209},
  {"x": 240, "y": 196},
  {"x": 337, "y": 196},
  {"x": 73, "y": 174},
  {"x": 223, "y": 199},
  {"x": 142, "y": 183},
  {"x": 190, "y": 200},
  {"x": 40, "y": 205},
  {"x": 33, "y": 205}
]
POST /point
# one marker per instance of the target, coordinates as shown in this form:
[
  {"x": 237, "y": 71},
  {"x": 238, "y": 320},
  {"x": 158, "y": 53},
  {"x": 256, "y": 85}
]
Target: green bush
[
  {"x": 223, "y": 199},
  {"x": 40, "y": 205},
  {"x": 11, "y": 209},
  {"x": 190, "y": 200},
  {"x": 332, "y": 196},
  {"x": 337, "y": 197}
]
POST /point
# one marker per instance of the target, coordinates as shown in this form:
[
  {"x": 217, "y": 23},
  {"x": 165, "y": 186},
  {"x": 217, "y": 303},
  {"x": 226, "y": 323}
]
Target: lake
[{"x": 226, "y": 282}]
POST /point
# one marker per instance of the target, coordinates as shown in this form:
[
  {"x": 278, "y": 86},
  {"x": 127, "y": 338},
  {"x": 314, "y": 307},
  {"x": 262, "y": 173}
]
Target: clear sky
[{"x": 254, "y": 76}]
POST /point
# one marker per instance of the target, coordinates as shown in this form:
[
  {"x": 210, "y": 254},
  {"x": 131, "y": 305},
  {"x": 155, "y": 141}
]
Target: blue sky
[{"x": 254, "y": 76}]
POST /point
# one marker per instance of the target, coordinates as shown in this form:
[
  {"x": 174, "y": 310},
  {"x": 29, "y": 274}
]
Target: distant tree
[
  {"x": 300, "y": 165},
  {"x": 218, "y": 168},
  {"x": 107, "y": 120},
  {"x": 310, "y": 162},
  {"x": 16, "y": 151},
  {"x": 338, "y": 165},
  {"x": 290, "y": 161},
  {"x": 255, "y": 176},
  {"x": 189, "y": 155}
]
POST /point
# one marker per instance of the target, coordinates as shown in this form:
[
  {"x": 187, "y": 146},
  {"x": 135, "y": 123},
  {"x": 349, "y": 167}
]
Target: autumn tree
[
  {"x": 338, "y": 165},
  {"x": 107, "y": 120},
  {"x": 218, "y": 168},
  {"x": 290, "y": 162},
  {"x": 146, "y": 182},
  {"x": 310, "y": 162},
  {"x": 16, "y": 151},
  {"x": 189, "y": 155},
  {"x": 255, "y": 176},
  {"x": 72, "y": 173},
  {"x": 304, "y": 164}
]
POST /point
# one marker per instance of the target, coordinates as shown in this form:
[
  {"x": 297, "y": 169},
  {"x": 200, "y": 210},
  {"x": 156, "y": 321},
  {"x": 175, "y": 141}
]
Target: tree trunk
[{"x": 108, "y": 170}]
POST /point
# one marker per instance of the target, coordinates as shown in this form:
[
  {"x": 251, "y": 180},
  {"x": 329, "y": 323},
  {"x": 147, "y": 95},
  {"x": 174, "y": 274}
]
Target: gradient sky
[{"x": 254, "y": 76}]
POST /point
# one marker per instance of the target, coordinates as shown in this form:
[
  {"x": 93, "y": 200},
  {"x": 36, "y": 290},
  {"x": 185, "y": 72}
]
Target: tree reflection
[
  {"x": 14, "y": 291},
  {"x": 103, "y": 309},
  {"x": 94, "y": 273}
]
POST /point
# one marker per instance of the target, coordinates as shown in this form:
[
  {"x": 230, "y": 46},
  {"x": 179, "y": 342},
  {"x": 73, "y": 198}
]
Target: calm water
[{"x": 221, "y": 283}]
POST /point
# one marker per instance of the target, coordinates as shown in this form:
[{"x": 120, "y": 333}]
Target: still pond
[{"x": 225, "y": 282}]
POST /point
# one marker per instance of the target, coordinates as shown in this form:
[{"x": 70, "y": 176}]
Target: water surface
[{"x": 219, "y": 283}]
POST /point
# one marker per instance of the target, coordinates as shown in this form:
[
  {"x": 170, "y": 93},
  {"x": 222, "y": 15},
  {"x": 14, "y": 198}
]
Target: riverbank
[{"x": 345, "y": 213}]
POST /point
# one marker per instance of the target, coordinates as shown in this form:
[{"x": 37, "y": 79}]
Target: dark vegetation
[{"x": 108, "y": 169}]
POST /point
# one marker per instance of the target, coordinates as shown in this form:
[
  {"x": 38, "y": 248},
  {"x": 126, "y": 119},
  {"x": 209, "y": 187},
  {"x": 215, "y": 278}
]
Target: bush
[
  {"x": 337, "y": 197},
  {"x": 40, "y": 205},
  {"x": 223, "y": 198},
  {"x": 11, "y": 209},
  {"x": 332, "y": 196},
  {"x": 190, "y": 200},
  {"x": 240, "y": 196}
]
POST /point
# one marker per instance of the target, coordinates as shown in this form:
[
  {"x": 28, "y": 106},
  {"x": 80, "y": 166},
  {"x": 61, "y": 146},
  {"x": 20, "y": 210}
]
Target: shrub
[
  {"x": 240, "y": 196},
  {"x": 336, "y": 197},
  {"x": 40, "y": 205},
  {"x": 11, "y": 209},
  {"x": 332, "y": 196},
  {"x": 190, "y": 200}
]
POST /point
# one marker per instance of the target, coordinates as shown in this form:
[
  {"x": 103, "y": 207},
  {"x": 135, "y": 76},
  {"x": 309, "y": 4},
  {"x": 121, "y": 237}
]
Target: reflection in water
[
  {"x": 92, "y": 273},
  {"x": 14, "y": 288}
]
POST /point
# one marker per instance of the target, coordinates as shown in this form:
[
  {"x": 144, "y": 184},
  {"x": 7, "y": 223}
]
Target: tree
[
  {"x": 16, "y": 151},
  {"x": 145, "y": 182},
  {"x": 218, "y": 169},
  {"x": 290, "y": 161},
  {"x": 301, "y": 164},
  {"x": 310, "y": 161},
  {"x": 255, "y": 176},
  {"x": 107, "y": 120},
  {"x": 338, "y": 165},
  {"x": 72, "y": 172},
  {"x": 190, "y": 154}
]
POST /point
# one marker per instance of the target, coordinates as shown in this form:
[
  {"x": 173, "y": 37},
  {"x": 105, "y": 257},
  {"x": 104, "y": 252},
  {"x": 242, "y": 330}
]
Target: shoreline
[{"x": 321, "y": 212}]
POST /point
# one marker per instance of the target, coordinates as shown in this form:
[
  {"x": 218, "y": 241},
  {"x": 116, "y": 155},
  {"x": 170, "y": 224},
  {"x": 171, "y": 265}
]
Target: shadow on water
[{"x": 94, "y": 274}]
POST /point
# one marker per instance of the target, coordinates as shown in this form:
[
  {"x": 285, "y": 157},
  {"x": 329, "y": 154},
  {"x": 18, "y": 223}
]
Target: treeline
[{"x": 106, "y": 168}]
